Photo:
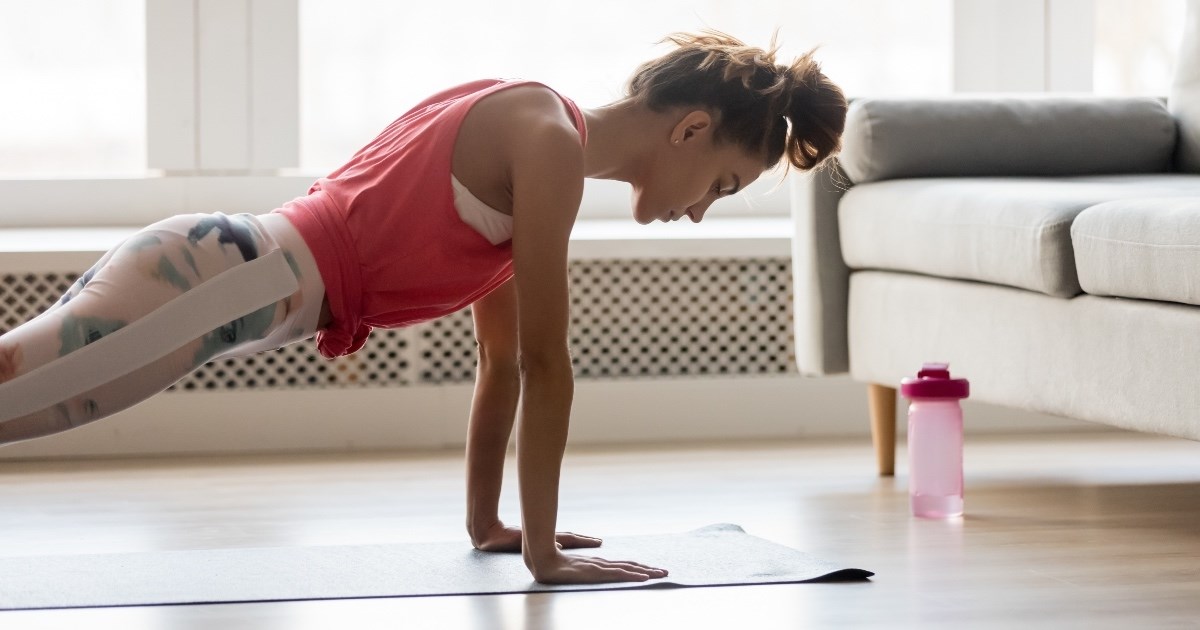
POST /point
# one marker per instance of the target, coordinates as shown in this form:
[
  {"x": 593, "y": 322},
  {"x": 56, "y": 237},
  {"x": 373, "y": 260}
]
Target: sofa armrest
[
  {"x": 1184, "y": 98},
  {"x": 820, "y": 277},
  {"x": 1006, "y": 135}
]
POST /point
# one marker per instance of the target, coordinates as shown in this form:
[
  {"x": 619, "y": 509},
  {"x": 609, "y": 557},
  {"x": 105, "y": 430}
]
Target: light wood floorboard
[{"x": 1097, "y": 530}]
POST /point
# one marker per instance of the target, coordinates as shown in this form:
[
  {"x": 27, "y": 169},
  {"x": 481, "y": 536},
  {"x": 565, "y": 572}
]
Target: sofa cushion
[
  {"x": 1140, "y": 248},
  {"x": 1010, "y": 231},
  {"x": 1129, "y": 363},
  {"x": 1184, "y": 100},
  {"x": 1018, "y": 136}
]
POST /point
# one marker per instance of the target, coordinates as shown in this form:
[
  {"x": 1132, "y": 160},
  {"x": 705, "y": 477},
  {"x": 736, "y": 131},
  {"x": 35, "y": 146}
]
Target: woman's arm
[
  {"x": 547, "y": 176},
  {"x": 493, "y": 408},
  {"x": 547, "y": 183}
]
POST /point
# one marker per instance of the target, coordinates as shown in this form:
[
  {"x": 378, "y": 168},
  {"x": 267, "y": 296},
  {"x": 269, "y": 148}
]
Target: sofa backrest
[
  {"x": 1184, "y": 100},
  {"x": 1006, "y": 136}
]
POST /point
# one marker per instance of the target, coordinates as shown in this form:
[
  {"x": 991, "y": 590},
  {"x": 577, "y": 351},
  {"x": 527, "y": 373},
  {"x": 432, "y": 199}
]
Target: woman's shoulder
[
  {"x": 529, "y": 108},
  {"x": 457, "y": 92},
  {"x": 516, "y": 127},
  {"x": 526, "y": 92},
  {"x": 486, "y": 88}
]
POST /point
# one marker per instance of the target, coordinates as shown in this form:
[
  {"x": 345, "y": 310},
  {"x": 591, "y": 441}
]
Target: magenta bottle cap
[{"x": 933, "y": 381}]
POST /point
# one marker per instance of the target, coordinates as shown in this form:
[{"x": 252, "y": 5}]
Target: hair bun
[
  {"x": 777, "y": 110},
  {"x": 816, "y": 110}
]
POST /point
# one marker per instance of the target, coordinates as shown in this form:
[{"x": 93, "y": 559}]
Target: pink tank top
[{"x": 388, "y": 241}]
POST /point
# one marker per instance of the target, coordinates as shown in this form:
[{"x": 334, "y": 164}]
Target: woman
[{"x": 467, "y": 199}]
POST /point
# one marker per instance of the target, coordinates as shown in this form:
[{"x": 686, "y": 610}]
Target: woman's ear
[{"x": 694, "y": 125}]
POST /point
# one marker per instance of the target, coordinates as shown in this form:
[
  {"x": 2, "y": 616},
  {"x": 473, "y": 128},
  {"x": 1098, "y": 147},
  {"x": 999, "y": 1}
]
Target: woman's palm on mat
[
  {"x": 567, "y": 569},
  {"x": 501, "y": 538}
]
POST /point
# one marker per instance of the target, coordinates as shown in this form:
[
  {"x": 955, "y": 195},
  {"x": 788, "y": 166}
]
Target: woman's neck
[{"x": 621, "y": 137}]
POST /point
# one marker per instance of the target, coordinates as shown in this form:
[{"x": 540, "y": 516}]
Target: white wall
[{"x": 421, "y": 417}]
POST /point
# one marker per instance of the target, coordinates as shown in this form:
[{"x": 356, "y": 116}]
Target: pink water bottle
[{"x": 935, "y": 441}]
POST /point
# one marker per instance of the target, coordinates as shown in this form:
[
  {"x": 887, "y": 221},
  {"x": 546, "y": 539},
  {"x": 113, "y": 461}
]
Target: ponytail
[{"x": 791, "y": 111}]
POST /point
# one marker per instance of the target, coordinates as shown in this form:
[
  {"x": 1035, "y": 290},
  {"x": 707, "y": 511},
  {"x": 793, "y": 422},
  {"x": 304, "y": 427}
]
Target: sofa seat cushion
[
  {"x": 1140, "y": 248},
  {"x": 1009, "y": 231}
]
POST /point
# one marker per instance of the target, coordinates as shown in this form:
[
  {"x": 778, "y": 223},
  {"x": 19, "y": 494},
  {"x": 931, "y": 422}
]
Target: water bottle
[{"x": 935, "y": 441}]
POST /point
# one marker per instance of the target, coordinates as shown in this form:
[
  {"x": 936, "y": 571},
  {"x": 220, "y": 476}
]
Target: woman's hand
[
  {"x": 563, "y": 568},
  {"x": 497, "y": 537}
]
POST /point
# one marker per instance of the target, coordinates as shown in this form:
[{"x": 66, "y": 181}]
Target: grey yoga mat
[{"x": 716, "y": 555}]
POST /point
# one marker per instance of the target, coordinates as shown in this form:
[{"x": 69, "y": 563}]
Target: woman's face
[{"x": 688, "y": 172}]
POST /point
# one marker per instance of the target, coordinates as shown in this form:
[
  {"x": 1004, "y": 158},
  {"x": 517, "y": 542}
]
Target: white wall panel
[
  {"x": 274, "y": 84},
  {"x": 171, "y": 84},
  {"x": 1070, "y": 29},
  {"x": 999, "y": 46},
  {"x": 224, "y": 84}
]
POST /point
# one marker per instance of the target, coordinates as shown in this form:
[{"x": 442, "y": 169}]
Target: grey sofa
[{"x": 1048, "y": 248}]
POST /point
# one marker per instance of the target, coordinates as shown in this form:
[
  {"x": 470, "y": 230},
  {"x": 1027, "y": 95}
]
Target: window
[
  {"x": 1137, "y": 42},
  {"x": 364, "y": 62},
  {"x": 74, "y": 88},
  {"x": 235, "y": 103}
]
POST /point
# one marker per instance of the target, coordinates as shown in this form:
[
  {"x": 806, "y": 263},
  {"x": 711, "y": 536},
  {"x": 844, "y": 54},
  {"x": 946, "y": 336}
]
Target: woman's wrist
[
  {"x": 479, "y": 524},
  {"x": 539, "y": 557}
]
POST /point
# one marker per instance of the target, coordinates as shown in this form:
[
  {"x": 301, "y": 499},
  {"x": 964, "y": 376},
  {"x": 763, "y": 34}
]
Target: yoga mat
[{"x": 716, "y": 555}]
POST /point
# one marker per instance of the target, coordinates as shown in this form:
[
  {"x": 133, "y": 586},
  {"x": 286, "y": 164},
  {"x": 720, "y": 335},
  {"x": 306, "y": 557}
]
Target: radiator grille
[{"x": 629, "y": 319}]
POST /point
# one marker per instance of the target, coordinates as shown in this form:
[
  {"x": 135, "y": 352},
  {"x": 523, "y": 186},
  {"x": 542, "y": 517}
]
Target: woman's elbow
[
  {"x": 497, "y": 358},
  {"x": 543, "y": 363}
]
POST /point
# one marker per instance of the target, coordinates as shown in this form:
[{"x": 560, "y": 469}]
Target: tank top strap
[{"x": 577, "y": 114}]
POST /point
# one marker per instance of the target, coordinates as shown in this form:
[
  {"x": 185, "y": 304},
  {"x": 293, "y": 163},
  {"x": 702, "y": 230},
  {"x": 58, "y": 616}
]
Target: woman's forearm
[
  {"x": 547, "y": 389},
  {"x": 493, "y": 409}
]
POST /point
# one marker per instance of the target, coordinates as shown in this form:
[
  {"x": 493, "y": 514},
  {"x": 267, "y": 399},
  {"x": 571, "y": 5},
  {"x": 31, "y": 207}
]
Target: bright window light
[
  {"x": 74, "y": 84},
  {"x": 365, "y": 62},
  {"x": 1137, "y": 42}
]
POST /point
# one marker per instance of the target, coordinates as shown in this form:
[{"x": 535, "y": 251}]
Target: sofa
[{"x": 1046, "y": 247}]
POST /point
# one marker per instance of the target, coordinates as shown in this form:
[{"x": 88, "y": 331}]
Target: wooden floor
[{"x": 1083, "y": 530}]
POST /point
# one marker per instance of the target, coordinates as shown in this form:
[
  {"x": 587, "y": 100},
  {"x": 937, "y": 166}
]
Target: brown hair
[{"x": 763, "y": 107}]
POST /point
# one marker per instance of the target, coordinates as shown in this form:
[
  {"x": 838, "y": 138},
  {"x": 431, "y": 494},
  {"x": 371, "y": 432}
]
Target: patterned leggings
[{"x": 182, "y": 292}]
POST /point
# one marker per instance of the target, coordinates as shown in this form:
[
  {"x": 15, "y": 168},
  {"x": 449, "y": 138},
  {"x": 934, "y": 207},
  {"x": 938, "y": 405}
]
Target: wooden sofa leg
[{"x": 882, "y": 402}]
